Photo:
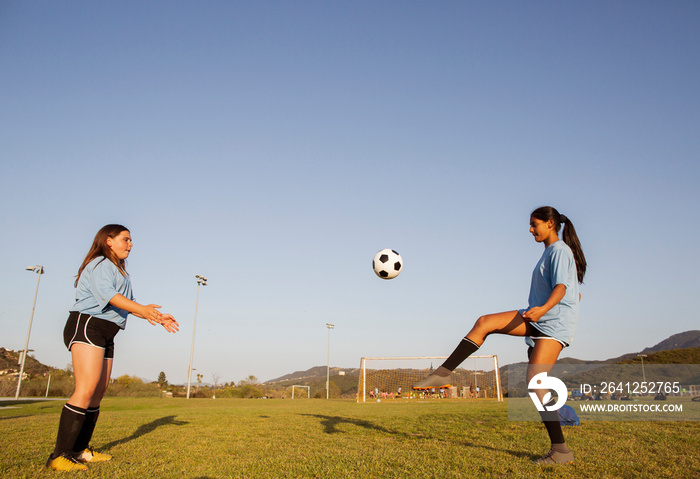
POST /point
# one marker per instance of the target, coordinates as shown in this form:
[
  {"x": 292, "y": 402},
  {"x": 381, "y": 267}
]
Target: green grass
[{"x": 204, "y": 438}]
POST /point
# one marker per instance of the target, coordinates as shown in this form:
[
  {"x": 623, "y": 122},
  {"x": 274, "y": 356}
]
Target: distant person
[
  {"x": 477, "y": 391},
  {"x": 103, "y": 301},
  {"x": 547, "y": 323}
]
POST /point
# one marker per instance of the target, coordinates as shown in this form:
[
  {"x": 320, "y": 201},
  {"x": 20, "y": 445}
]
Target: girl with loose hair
[
  {"x": 100, "y": 248},
  {"x": 103, "y": 301},
  {"x": 548, "y": 323}
]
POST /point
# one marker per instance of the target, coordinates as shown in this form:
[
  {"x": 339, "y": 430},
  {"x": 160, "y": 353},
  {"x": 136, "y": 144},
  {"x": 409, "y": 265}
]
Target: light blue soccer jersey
[
  {"x": 556, "y": 266},
  {"x": 99, "y": 282}
]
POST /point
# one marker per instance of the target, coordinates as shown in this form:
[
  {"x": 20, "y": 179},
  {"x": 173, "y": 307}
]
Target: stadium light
[
  {"x": 201, "y": 281},
  {"x": 328, "y": 363},
  {"x": 38, "y": 269},
  {"x": 644, "y": 376}
]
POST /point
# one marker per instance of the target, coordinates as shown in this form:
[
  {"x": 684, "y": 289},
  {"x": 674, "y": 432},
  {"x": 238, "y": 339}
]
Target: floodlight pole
[
  {"x": 201, "y": 281},
  {"x": 644, "y": 376},
  {"x": 328, "y": 362},
  {"x": 39, "y": 270}
]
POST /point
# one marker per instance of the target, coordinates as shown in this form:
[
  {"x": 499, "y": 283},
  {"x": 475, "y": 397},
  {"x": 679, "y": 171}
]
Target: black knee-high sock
[
  {"x": 464, "y": 349},
  {"x": 69, "y": 426},
  {"x": 554, "y": 430},
  {"x": 552, "y": 424},
  {"x": 83, "y": 439}
]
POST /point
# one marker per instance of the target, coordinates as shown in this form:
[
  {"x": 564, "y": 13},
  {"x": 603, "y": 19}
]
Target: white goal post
[
  {"x": 308, "y": 390},
  {"x": 383, "y": 378}
]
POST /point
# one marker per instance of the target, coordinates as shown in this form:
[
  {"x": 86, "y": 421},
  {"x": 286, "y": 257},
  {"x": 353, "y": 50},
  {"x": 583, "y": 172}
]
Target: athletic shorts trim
[
  {"x": 85, "y": 329},
  {"x": 534, "y": 333},
  {"x": 549, "y": 337}
]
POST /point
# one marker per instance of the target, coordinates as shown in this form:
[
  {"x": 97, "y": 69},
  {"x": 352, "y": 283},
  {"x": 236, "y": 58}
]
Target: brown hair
[
  {"x": 100, "y": 248},
  {"x": 546, "y": 213}
]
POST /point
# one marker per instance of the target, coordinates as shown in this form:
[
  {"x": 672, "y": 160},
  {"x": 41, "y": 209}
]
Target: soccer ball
[{"x": 387, "y": 264}]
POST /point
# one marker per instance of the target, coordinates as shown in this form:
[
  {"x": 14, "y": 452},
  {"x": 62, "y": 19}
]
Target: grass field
[{"x": 204, "y": 438}]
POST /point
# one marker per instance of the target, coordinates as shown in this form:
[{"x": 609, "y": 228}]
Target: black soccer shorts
[{"x": 85, "y": 329}]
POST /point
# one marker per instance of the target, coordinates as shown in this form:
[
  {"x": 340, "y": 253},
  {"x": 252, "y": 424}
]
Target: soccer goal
[
  {"x": 308, "y": 390},
  {"x": 391, "y": 378}
]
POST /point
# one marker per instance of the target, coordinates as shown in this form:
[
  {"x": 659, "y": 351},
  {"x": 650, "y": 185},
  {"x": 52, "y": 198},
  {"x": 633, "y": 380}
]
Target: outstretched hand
[
  {"x": 169, "y": 323},
  {"x": 151, "y": 314}
]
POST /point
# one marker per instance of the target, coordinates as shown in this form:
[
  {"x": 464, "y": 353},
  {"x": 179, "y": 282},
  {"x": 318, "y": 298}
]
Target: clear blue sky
[{"x": 275, "y": 147}]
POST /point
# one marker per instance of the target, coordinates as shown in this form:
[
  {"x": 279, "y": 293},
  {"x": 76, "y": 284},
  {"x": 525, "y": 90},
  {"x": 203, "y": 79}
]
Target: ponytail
[
  {"x": 571, "y": 239},
  {"x": 569, "y": 236}
]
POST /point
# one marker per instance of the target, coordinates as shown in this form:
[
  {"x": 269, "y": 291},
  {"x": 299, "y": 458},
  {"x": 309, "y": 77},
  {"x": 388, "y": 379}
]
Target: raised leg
[{"x": 509, "y": 322}]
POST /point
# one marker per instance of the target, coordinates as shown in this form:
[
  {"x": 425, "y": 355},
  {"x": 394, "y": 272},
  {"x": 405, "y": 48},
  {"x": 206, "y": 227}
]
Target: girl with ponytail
[{"x": 548, "y": 323}]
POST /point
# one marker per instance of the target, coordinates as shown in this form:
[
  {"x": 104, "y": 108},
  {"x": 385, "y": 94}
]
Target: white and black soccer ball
[{"x": 387, "y": 264}]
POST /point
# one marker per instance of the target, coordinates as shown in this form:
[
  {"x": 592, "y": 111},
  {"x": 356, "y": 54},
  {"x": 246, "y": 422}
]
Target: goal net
[
  {"x": 694, "y": 390},
  {"x": 391, "y": 378},
  {"x": 296, "y": 394}
]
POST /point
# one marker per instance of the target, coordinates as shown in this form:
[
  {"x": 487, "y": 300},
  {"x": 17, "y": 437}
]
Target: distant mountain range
[
  {"x": 686, "y": 340},
  {"x": 315, "y": 373},
  {"x": 689, "y": 339}
]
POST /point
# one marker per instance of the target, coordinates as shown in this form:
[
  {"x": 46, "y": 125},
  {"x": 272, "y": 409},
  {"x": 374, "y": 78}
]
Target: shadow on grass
[
  {"x": 331, "y": 423},
  {"x": 14, "y": 402},
  {"x": 145, "y": 429},
  {"x": 13, "y": 417}
]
